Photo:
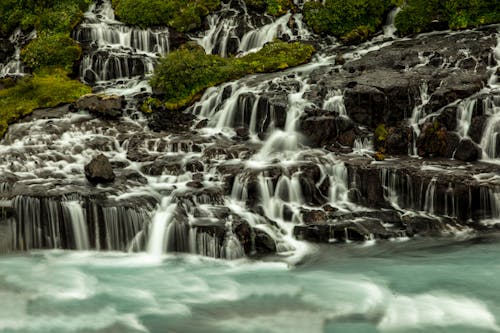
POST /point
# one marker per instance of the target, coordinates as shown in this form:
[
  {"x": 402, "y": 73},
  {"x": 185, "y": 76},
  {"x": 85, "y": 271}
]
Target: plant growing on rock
[
  {"x": 271, "y": 7},
  {"x": 40, "y": 91},
  {"x": 352, "y": 21},
  {"x": 425, "y": 15},
  {"x": 178, "y": 14},
  {"x": 182, "y": 76}
]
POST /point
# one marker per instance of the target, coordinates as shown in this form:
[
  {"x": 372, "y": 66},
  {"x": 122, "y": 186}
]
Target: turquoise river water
[{"x": 439, "y": 285}]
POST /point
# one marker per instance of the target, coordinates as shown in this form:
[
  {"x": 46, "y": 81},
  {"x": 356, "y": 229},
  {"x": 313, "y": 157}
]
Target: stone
[
  {"x": 467, "y": 151},
  {"x": 109, "y": 106},
  {"x": 99, "y": 170}
]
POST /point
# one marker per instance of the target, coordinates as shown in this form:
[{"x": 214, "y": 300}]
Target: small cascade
[
  {"x": 389, "y": 27},
  {"x": 287, "y": 141},
  {"x": 157, "y": 244},
  {"x": 116, "y": 55},
  {"x": 465, "y": 111},
  {"x": 233, "y": 30},
  {"x": 74, "y": 212},
  {"x": 491, "y": 132},
  {"x": 14, "y": 67},
  {"x": 334, "y": 102},
  {"x": 256, "y": 38},
  {"x": 430, "y": 196},
  {"x": 417, "y": 115}
]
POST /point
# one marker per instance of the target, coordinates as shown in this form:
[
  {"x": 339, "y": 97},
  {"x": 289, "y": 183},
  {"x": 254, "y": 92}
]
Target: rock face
[
  {"x": 102, "y": 105},
  {"x": 467, "y": 151},
  {"x": 99, "y": 170}
]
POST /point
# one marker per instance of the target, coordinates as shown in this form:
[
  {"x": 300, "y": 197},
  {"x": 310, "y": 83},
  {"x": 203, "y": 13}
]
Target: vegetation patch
[
  {"x": 271, "y": 7},
  {"x": 42, "y": 90},
  {"x": 425, "y": 15},
  {"x": 182, "y": 15},
  {"x": 54, "y": 16},
  {"x": 184, "y": 74},
  {"x": 351, "y": 21}
]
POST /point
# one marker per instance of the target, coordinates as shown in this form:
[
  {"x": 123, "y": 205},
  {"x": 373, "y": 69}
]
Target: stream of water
[{"x": 413, "y": 286}]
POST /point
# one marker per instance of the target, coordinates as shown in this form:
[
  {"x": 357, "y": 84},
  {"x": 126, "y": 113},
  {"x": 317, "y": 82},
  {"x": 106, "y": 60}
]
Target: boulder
[
  {"x": 99, "y": 170},
  {"x": 108, "y": 106},
  {"x": 467, "y": 151}
]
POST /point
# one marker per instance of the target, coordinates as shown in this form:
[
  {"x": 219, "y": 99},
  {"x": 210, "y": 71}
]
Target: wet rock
[
  {"x": 194, "y": 165},
  {"x": 99, "y": 170},
  {"x": 467, "y": 151},
  {"x": 422, "y": 225},
  {"x": 432, "y": 140},
  {"x": 448, "y": 118},
  {"x": 452, "y": 139},
  {"x": 102, "y": 105},
  {"x": 315, "y": 216},
  {"x": 319, "y": 131},
  {"x": 171, "y": 121},
  {"x": 477, "y": 127},
  {"x": 264, "y": 244},
  {"x": 398, "y": 140}
]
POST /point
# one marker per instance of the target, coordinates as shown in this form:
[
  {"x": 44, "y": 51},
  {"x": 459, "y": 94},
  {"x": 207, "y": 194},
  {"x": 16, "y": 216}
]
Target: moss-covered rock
[
  {"x": 40, "y": 91},
  {"x": 271, "y": 7},
  {"x": 42, "y": 15},
  {"x": 352, "y": 21},
  {"x": 183, "y": 75},
  {"x": 181, "y": 15},
  {"x": 425, "y": 15},
  {"x": 51, "y": 50}
]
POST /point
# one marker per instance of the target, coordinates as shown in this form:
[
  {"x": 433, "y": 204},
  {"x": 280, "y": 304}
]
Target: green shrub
[
  {"x": 422, "y": 15},
  {"x": 184, "y": 74},
  {"x": 43, "y": 15},
  {"x": 272, "y": 7},
  {"x": 51, "y": 50},
  {"x": 182, "y": 15},
  {"x": 352, "y": 21},
  {"x": 43, "y": 90}
]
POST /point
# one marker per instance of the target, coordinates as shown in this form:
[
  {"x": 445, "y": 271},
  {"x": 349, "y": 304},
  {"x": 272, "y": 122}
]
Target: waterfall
[
  {"x": 157, "y": 243},
  {"x": 14, "y": 67},
  {"x": 492, "y": 129},
  {"x": 417, "y": 114},
  {"x": 74, "y": 212},
  {"x": 116, "y": 54}
]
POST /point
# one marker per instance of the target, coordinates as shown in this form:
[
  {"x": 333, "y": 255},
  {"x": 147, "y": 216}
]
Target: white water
[{"x": 75, "y": 212}]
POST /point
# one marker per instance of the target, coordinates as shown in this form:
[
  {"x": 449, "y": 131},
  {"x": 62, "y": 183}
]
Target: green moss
[
  {"x": 423, "y": 15},
  {"x": 352, "y": 21},
  {"x": 51, "y": 50},
  {"x": 183, "y": 75},
  {"x": 182, "y": 15},
  {"x": 40, "y": 91},
  {"x": 42, "y": 15},
  {"x": 271, "y": 7}
]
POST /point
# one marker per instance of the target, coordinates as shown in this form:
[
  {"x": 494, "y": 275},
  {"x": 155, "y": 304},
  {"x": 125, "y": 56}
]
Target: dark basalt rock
[
  {"x": 102, "y": 105},
  {"x": 171, "y": 121},
  {"x": 467, "y": 151},
  {"x": 99, "y": 170}
]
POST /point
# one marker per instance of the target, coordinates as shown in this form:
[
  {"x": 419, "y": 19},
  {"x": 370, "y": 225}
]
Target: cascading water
[
  {"x": 14, "y": 67},
  {"x": 117, "y": 56}
]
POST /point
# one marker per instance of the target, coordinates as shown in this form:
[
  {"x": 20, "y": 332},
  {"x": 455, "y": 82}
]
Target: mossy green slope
[
  {"x": 51, "y": 55},
  {"x": 40, "y": 91},
  {"x": 423, "y": 15},
  {"x": 271, "y": 7},
  {"x": 183, "y": 75},
  {"x": 182, "y": 15},
  {"x": 353, "y": 21}
]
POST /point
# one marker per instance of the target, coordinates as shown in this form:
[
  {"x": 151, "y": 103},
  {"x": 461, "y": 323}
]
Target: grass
[
  {"x": 42, "y": 90},
  {"x": 184, "y": 74}
]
